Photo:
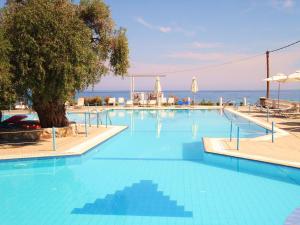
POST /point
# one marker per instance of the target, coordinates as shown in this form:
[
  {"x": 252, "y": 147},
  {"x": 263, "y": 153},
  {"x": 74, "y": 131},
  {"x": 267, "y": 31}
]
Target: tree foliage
[
  {"x": 7, "y": 95},
  {"x": 58, "y": 48}
]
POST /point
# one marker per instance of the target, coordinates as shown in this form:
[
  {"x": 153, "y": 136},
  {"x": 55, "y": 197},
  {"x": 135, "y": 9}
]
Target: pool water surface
[{"x": 154, "y": 173}]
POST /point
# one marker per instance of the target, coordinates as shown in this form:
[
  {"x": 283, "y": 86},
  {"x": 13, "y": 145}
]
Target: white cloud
[
  {"x": 165, "y": 29},
  {"x": 288, "y": 3},
  {"x": 141, "y": 21},
  {"x": 285, "y": 4},
  {"x": 203, "y": 45}
]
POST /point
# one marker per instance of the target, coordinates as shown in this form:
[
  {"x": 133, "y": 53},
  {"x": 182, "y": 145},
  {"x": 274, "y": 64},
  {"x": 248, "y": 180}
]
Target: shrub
[
  {"x": 207, "y": 103},
  {"x": 106, "y": 99},
  {"x": 93, "y": 101}
]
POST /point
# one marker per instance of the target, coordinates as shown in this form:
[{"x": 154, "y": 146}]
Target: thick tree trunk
[{"x": 51, "y": 114}]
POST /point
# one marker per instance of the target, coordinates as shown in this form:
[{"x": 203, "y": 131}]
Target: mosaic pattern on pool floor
[{"x": 140, "y": 199}]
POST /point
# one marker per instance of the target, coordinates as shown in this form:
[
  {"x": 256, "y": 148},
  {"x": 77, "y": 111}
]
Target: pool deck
[
  {"x": 68, "y": 146},
  {"x": 284, "y": 151}
]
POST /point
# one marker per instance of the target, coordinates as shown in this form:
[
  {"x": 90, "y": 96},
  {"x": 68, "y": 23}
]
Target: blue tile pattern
[{"x": 140, "y": 199}]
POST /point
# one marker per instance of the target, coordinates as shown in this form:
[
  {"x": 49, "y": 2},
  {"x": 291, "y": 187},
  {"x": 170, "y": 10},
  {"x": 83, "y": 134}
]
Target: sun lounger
[
  {"x": 142, "y": 102},
  {"x": 292, "y": 115},
  {"x": 281, "y": 111},
  {"x": 164, "y": 101},
  {"x": 121, "y": 101},
  {"x": 111, "y": 101},
  {"x": 80, "y": 103},
  {"x": 20, "y": 106},
  {"x": 152, "y": 103},
  {"x": 129, "y": 103},
  {"x": 171, "y": 101}
]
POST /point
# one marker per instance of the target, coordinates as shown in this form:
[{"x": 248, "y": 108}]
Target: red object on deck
[{"x": 14, "y": 119}]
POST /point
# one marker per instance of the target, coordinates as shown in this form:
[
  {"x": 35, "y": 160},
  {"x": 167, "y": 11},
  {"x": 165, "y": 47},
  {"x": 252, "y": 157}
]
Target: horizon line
[{"x": 218, "y": 90}]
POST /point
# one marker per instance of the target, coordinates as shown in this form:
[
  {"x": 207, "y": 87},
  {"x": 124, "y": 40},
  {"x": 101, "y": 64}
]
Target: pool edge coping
[
  {"x": 77, "y": 150},
  {"x": 216, "y": 145}
]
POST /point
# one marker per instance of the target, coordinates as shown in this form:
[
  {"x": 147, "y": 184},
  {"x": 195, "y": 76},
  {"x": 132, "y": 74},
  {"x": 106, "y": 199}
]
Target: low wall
[{"x": 17, "y": 135}]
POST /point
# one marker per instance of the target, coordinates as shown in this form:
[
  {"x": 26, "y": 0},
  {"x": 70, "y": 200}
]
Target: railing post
[
  {"x": 238, "y": 139},
  {"x": 106, "y": 117},
  {"x": 97, "y": 113},
  {"x": 268, "y": 114},
  {"x": 89, "y": 119},
  {"x": 249, "y": 109},
  {"x": 231, "y": 127},
  {"x": 273, "y": 127},
  {"x": 85, "y": 125},
  {"x": 53, "y": 139}
]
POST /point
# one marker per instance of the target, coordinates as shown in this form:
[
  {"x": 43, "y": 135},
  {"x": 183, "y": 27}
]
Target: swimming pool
[{"x": 155, "y": 172}]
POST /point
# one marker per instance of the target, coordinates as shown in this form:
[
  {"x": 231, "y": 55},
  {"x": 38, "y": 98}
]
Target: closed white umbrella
[
  {"x": 157, "y": 88},
  {"x": 194, "y": 88}
]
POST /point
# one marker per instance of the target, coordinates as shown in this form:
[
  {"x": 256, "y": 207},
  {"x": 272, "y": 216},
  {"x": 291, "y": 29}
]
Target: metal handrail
[
  {"x": 227, "y": 103},
  {"x": 107, "y": 118}
]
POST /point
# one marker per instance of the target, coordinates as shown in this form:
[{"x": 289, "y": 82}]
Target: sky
[{"x": 182, "y": 39}]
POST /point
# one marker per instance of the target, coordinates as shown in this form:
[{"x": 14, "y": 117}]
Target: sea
[{"x": 237, "y": 96}]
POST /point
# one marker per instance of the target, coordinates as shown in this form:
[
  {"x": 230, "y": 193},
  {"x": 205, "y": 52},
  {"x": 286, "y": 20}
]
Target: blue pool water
[{"x": 154, "y": 173}]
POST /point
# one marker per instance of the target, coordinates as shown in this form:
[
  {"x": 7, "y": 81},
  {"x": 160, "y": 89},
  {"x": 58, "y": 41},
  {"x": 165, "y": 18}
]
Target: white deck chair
[
  {"x": 152, "y": 103},
  {"x": 143, "y": 102},
  {"x": 20, "y": 106},
  {"x": 121, "y": 101},
  {"x": 112, "y": 101},
  {"x": 189, "y": 101},
  {"x": 171, "y": 101},
  {"x": 129, "y": 103},
  {"x": 80, "y": 103}
]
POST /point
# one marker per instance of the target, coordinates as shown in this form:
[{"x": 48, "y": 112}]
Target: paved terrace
[{"x": 285, "y": 150}]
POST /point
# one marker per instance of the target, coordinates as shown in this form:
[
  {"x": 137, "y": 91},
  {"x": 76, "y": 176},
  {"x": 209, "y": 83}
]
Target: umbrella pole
[
  {"x": 194, "y": 99},
  {"x": 278, "y": 95}
]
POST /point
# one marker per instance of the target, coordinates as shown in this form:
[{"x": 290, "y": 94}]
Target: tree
[
  {"x": 58, "y": 48},
  {"x": 7, "y": 95}
]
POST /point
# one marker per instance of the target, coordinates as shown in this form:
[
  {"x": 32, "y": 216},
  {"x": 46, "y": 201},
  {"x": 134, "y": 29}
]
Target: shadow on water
[
  {"x": 195, "y": 152},
  {"x": 192, "y": 152}
]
